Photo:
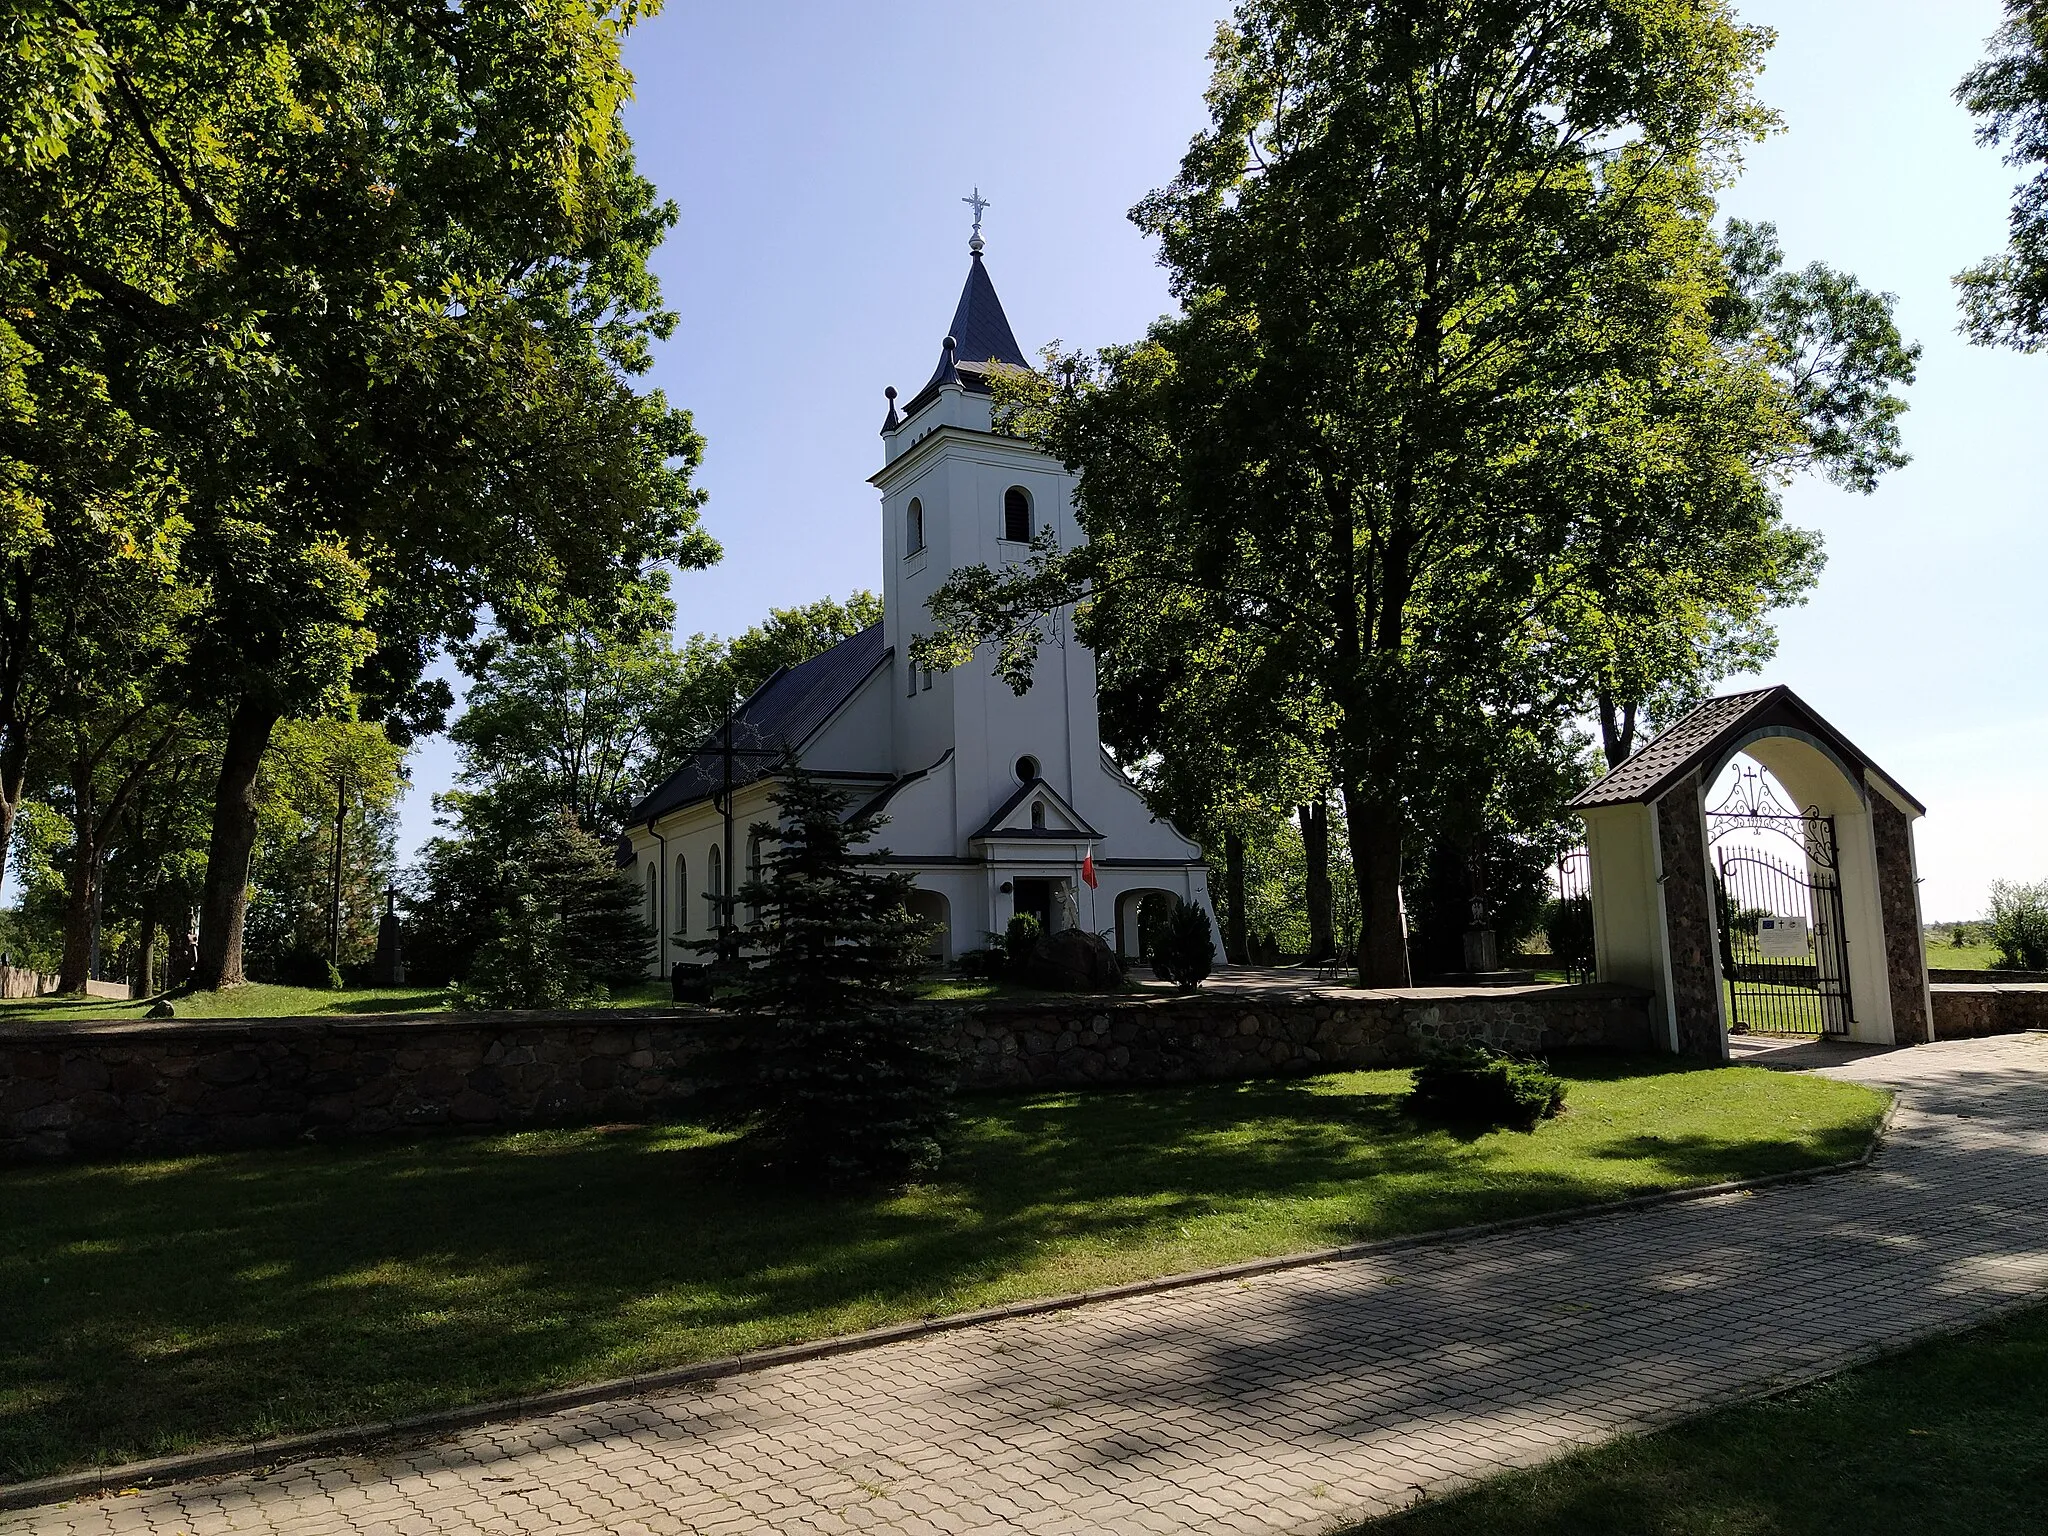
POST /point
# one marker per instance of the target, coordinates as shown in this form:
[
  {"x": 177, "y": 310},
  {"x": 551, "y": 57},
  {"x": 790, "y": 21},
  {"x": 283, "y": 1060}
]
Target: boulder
[{"x": 1073, "y": 960}]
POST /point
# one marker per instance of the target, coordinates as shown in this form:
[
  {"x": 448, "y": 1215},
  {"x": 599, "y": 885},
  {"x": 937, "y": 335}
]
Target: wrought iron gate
[{"x": 1783, "y": 956}]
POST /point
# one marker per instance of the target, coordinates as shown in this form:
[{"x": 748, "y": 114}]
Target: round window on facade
[{"x": 1027, "y": 769}]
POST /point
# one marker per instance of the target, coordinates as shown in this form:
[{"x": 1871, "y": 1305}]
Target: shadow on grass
[{"x": 189, "y": 1301}]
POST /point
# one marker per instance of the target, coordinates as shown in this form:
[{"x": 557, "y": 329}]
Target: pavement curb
[{"x": 265, "y": 1455}]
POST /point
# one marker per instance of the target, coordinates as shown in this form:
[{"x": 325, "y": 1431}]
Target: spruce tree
[{"x": 846, "y": 1082}]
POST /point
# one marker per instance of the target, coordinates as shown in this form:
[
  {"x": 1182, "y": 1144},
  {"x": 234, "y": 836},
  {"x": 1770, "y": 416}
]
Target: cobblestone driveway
[{"x": 1282, "y": 1404}]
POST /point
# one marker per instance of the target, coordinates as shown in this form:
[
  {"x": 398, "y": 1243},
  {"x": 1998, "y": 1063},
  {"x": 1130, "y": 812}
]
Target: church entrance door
[{"x": 1036, "y": 898}]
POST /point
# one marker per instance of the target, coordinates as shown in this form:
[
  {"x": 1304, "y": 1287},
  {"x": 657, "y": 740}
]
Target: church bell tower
[{"x": 955, "y": 493}]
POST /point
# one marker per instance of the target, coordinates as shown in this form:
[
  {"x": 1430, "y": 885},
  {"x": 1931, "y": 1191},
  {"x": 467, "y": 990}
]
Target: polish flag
[{"x": 1088, "y": 868}]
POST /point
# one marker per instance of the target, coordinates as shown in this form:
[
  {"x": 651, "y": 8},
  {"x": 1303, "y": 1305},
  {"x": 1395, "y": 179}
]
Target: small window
[
  {"x": 753, "y": 874},
  {"x": 1017, "y": 515},
  {"x": 682, "y": 895},
  {"x": 927, "y": 682},
  {"x": 653, "y": 897},
  {"x": 714, "y": 891},
  {"x": 1038, "y": 815},
  {"x": 1027, "y": 769},
  {"x": 913, "y": 528},
  {"x": 911, "y": 691}
]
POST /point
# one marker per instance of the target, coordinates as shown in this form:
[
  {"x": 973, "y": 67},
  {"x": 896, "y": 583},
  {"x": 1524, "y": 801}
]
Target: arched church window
[
  {"x": 682, "y": 894},
  {"x": 1038, "y": 815},
  {"x": 715, "y": 889},
  {"x": 753, "y": 873},
  {"x": 913, "y": 527},
  {"x": 1017, "y": 515},
  {"x": 653, "y": 897}
]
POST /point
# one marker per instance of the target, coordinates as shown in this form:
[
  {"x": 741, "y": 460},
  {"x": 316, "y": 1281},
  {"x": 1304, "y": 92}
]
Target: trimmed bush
[
  {"x": 1476, "y": 1086},
  {"x": 1185, "y": 953},
  {"x": 1019, "y": 940}
]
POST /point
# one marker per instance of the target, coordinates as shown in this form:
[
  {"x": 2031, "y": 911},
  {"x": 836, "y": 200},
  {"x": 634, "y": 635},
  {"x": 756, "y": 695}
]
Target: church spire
[{"x": 980, "y": 333}]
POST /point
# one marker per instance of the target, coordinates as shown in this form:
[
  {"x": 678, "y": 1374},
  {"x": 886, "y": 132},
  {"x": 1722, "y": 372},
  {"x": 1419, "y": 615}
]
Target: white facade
[{"x": 993, "y": 800}]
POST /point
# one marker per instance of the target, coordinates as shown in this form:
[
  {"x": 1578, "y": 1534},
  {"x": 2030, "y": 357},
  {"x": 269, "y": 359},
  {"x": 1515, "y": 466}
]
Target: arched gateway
[{"x": 1753, "y": 913}]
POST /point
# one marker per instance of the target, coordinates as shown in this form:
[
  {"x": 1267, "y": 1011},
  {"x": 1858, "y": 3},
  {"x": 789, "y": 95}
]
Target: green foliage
[
  {"x": 1185, "y": 953},
  {"x": 717, "y": 673},
  {"x": 1473, "y": 1085},
  {"x": 561, "y": 928},
  {"x": 1357, "y": 449},
  {"x": 1568, "y": 929},
  {"x": 2019, "y": 925},
  {"x": 1020, "y": 938},
  {"x": 841, "y": 1082},
  {"x": 2005, "y": 297}
]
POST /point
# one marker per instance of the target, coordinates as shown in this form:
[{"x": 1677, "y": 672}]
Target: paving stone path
[{"x": 1289, "y": 1403}]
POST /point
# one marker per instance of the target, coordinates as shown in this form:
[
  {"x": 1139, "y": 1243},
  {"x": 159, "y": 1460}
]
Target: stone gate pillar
[{"x": 1690, "y": 922}]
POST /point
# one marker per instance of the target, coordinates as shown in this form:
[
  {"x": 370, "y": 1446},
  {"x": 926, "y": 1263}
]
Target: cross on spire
[{"x": 977, "y": 202}]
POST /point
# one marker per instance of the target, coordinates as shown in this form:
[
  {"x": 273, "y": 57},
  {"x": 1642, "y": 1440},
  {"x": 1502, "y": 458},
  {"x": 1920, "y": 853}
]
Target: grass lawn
[
  {"x": 262, "y": 1000},
  {"x": 1950, "y": 1439},
  {"x": 153, "y": 1306},
  {"x": 1971, "y": 957}
]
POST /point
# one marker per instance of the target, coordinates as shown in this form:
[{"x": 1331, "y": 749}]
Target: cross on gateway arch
[{"x": 1754, "y": 914}]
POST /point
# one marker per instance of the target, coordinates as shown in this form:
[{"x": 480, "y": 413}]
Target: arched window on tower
[
  {"x": 1038, "y": 815},
  {"x": 1017, "y": 515},
  {"x": 682, "y": 895},
  {"x": 913, "y": 528}
]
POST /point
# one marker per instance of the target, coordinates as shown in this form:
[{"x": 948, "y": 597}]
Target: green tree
[
  {"x": 564, "y": 928},
  {"x": 715, "y": 673},
  {"x": 568, "y": 722},
  {"x": 847, "y": 1084},
  {"x": 2005, "y": 297},
  {"x": 1398, "y": 245},
  {"x": 375, "y": 276}
]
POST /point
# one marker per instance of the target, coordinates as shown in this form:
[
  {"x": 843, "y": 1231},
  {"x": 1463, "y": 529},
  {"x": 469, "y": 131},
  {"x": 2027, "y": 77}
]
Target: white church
[{"x": 996, "y": 804}]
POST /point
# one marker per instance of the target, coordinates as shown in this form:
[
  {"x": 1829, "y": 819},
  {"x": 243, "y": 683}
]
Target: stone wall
[
  {"x": 1898, "y": 901},
  {"x": 1689, "y": 922},
  {"x": 1966, "y": 1012},
  {"x": 67, "y": 1090}
]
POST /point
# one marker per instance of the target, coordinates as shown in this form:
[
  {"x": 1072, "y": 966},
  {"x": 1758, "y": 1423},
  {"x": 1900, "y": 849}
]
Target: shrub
[
  {"x": 2019, "y": 925},
  {"x": 1473, "y": 1085},
  {"x": 1019, "y": 940},
  {"x": 988, "y": 961},
  {"x": 1568, "y": 925},
  {"x": 563, "y": 929},
  {"x": 1185, "y": 953}
]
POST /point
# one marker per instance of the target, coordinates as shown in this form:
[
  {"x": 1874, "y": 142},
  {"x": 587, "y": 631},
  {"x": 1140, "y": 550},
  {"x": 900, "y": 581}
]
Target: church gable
[{"x": 1036, "y": 810}]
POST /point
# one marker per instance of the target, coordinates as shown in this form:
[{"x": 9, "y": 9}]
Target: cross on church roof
[{"x": 977, "y": 202}]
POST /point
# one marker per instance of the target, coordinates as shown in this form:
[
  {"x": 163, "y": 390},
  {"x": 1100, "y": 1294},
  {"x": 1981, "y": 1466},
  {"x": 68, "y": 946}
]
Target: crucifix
[{"x": 977, "y": 202}]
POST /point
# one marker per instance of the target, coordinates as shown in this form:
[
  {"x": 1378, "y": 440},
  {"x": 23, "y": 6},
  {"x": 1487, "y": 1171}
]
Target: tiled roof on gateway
[{"x": 783, "y": 712}]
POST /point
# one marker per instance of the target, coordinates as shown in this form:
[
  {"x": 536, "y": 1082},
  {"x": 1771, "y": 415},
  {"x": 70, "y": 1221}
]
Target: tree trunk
[
  {"x": 13, "y": 781},
  {"x": 1617, "y": 731},
  {"x": 1375, "y": 833},
  {"x": 81, "y": 906},
  {"x": 1315, "y": 846},
  {"x": 334, "y": 884},
  {"x": 145, "y": 949},
  {"x": 224, "y": 903},
  {"x": 1233, "y": 893}
]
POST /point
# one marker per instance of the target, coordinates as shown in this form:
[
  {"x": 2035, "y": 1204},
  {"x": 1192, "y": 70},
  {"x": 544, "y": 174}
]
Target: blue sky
[{"x": 819, "y": 151}]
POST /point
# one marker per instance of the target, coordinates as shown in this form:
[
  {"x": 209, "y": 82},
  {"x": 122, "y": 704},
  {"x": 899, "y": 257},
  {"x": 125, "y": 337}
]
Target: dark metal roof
[
  {"x": 981, "y": 335},
  {"x": 1704, "y": 739},
  {"x": 783, "y": 712},
  {"x": 993, "y": 826}
]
